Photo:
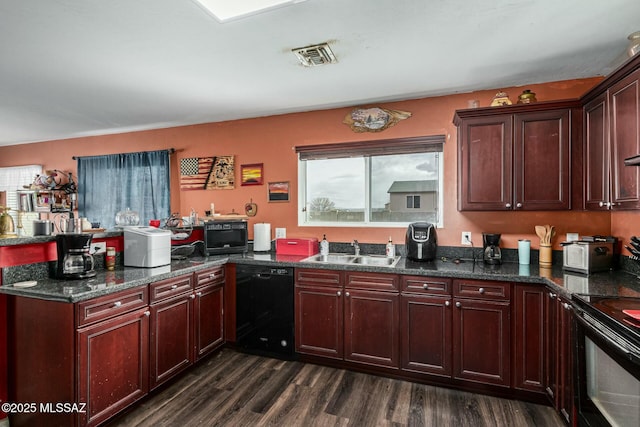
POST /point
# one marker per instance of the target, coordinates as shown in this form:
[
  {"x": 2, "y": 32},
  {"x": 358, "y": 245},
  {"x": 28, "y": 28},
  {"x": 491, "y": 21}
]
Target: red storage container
[{"x": 301, "y": 247}]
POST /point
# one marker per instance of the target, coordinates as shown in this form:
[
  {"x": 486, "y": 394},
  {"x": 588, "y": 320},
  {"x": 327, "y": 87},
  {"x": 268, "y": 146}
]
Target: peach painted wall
[{"x": 270, "y": 140}]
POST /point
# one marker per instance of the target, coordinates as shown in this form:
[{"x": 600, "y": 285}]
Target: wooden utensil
[{"x": 540, "y": 232}]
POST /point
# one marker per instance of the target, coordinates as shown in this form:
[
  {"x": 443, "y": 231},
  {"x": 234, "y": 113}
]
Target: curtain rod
[{"x": 170, "y": 150}]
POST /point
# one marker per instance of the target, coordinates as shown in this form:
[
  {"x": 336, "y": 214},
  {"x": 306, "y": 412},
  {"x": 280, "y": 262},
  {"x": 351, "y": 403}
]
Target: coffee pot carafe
[
  {"x": 74, "y": 259},
  {"x": 491, "y": 246}
]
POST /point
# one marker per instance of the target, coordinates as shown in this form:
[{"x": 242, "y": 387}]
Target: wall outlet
[
  {"x": 99, "y": 247},
  {"x": 281, "y": 233},
  {"x": 466, "y": 238}
]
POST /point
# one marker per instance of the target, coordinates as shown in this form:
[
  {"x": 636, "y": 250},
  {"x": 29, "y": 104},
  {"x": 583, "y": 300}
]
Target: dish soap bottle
[
  {"x": 324, "y": 246},
  {"x": 391, "y": 249}
]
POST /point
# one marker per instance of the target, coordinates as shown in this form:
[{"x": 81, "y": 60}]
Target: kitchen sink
[{"x": 336, "y": 258}]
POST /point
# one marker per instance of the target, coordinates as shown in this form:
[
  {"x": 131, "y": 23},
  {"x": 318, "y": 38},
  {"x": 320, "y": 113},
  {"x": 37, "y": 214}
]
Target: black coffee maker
[
  {"x": 491, "y": 246},
  {"x": 74, "y": 259}
]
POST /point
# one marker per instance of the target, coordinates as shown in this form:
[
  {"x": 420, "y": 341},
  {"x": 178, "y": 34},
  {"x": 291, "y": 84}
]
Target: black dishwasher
[{"x": 264, "y": 310}]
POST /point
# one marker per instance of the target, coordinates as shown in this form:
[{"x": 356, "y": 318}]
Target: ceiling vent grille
[{"x": 313, "y": 56}]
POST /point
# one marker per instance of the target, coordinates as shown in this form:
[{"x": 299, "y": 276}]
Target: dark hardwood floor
[{"x": 236, "y": 389}]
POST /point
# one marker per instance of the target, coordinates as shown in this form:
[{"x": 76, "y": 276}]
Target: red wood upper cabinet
[
  {"x": 624, "y": 122},
  {"x": 515, "y": 158},
  {"x": 596, "y": 154}
]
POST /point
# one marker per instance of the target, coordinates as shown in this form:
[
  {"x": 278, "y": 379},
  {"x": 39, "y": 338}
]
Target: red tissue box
[{"x": 304, "y": 246}]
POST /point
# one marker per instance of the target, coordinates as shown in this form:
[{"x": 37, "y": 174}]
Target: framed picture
[
  {"x": 251, "y": 174},
  {"x": 278, "y": 191}
]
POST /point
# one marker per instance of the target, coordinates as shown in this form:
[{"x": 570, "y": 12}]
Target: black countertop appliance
[
  {"x": 421, "y": 242},
  {"x": 74, "y": 259}
]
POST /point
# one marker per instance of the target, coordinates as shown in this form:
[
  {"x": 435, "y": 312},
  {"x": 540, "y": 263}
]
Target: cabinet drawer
[
  {"x": 431, "y": 285},
  {"x": 318, "y": 277},
  {"x": 376, "y": 281},
  {"x": 170, "y": 287},
  {"x": 109, "y": 306},
  {"x": 210, "y": 276},
  {"x": 482, "y": 289}
]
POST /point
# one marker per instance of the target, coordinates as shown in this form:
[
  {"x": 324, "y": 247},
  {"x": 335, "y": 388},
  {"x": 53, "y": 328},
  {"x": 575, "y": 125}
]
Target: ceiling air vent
[{"x": 312, "y": 56}]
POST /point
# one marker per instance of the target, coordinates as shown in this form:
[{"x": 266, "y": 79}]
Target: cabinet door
[
  {"x": 318, "y": 321},
  {"x": 565, "y": 365},
  {"x": 528, "y": 334},
  {"x": 371, "y": 321},
  {"x": 481, "y": 341},
  {"x": 171, "y": 338},
  {"x": 542, "y": 160},
  {"x": 485, "y": 164},
  {"x": 624, "y": 110},
  {"x": 551, "y": 348},
  {"x": 208, "y": 319},
  {"x": 113, "y": 370},
  {"x": 426, "y": 334},
  {"x": 596, "y": 154}
]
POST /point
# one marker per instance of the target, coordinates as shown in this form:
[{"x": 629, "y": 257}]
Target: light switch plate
[
  {"x": 281, "y": 233},
  {"x": 99, "y": 247}
]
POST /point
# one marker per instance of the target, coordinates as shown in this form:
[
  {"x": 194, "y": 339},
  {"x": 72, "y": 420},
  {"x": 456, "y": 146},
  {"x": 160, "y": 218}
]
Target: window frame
[{"x": 368, "y": 149}]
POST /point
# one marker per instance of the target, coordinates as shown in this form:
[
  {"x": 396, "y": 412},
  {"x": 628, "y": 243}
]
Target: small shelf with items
[{"x": 53, "y": 191}]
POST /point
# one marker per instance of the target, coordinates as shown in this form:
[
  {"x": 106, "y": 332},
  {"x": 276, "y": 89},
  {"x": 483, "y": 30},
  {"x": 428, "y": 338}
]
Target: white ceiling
[{"x": 86, "y": 67}]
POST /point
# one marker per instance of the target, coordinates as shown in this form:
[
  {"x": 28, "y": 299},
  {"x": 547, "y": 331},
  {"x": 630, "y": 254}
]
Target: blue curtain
[{"x": 111, "y": 183}]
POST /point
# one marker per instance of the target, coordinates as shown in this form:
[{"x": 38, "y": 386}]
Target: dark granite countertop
[
  {"x": 613, "y": 283},
  {"x": 564, "y": 283},
  {"x": 107, "y": 282}
]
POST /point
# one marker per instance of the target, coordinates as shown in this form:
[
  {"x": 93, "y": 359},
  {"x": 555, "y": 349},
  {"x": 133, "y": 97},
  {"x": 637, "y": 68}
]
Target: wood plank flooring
[{"x": 236, "y": 389}]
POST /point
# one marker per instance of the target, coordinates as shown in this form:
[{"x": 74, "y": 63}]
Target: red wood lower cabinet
[
  {"x": 426, "y": 334},
  {"x": 371, "y": 327},
  {"x": 171, "y": 338},
  {"x": 528, "y": 335},
  {"x": 112, "y": 365},
  {"x": 208, "y": 318},
  {"x": 318, "y": 323}
]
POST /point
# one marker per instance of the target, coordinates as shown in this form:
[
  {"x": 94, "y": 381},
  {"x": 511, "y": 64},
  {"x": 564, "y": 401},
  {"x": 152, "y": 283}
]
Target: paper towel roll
[{"x": 262, "y": 237}]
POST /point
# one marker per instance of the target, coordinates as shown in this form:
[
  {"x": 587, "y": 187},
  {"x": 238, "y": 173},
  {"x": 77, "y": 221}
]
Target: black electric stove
[{"x": 619, "y": 314}]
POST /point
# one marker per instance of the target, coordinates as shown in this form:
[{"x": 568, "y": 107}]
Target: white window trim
[{"x": 302, "y": 196}]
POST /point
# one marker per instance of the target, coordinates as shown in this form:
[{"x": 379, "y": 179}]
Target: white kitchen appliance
[
  {"x": 146, "y": 246},
  {"x": 589, "y": 255}
]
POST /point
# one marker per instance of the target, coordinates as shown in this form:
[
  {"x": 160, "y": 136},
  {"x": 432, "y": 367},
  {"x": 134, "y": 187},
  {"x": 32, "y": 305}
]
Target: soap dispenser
[
  {"x": 391, "y": 249},
  {"x": 324, "y": 246}
]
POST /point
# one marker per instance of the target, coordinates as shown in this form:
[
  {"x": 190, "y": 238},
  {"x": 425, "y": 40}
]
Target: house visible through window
[{"x": 377, "y": 183}]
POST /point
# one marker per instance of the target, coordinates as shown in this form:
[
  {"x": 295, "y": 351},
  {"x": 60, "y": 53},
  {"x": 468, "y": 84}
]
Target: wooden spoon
[{"x": 540, "y": 232}]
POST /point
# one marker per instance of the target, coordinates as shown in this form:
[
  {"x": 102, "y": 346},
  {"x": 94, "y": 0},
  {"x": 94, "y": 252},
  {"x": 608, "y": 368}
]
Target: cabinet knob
[
  {"x": 601, "y": 204},
  {"x": 567, "y": 306},
  {"x": 117, "y": 304},
  {"x": 508, "y": 206},
  {"x": 346, "y": 294},
  {"x": 192, "y": 296},
  {"x": 458, "y": 304},
  {"x": 425, "y": 286},
  {"x": 147, "y": 313},
  {"x": 552, "y": 295},
  {"x": 447, "y": 303},
  {"x": 212, "y": 276},
  {"x": 339, "y": 293},
  {"x": 518, "y": 205},
  {"x": 481, "y": 290},
  {"x": 198, "y": 294},
  {"x": 174, "y": 287}
]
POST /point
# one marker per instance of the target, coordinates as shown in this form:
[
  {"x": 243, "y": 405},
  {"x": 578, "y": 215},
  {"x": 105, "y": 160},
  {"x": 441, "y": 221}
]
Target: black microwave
[{"x": 225, "y": 237}]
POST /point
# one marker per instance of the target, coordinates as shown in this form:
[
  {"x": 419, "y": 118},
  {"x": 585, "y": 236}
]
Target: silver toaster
[{"x": 588, "y": 256}]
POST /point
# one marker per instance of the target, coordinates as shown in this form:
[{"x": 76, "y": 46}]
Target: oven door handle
[{"x": 622, "y": 350}]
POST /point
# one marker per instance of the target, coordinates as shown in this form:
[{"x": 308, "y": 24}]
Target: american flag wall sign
[{"x": 207, "y": 173}]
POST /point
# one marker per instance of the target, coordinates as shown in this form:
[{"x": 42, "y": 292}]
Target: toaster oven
[
  {"x": 225, "y": 237},
  {"x": 588, "y": 256}
]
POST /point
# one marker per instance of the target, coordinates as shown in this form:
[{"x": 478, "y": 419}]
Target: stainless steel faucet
[{"x": 356, "y": 247}]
